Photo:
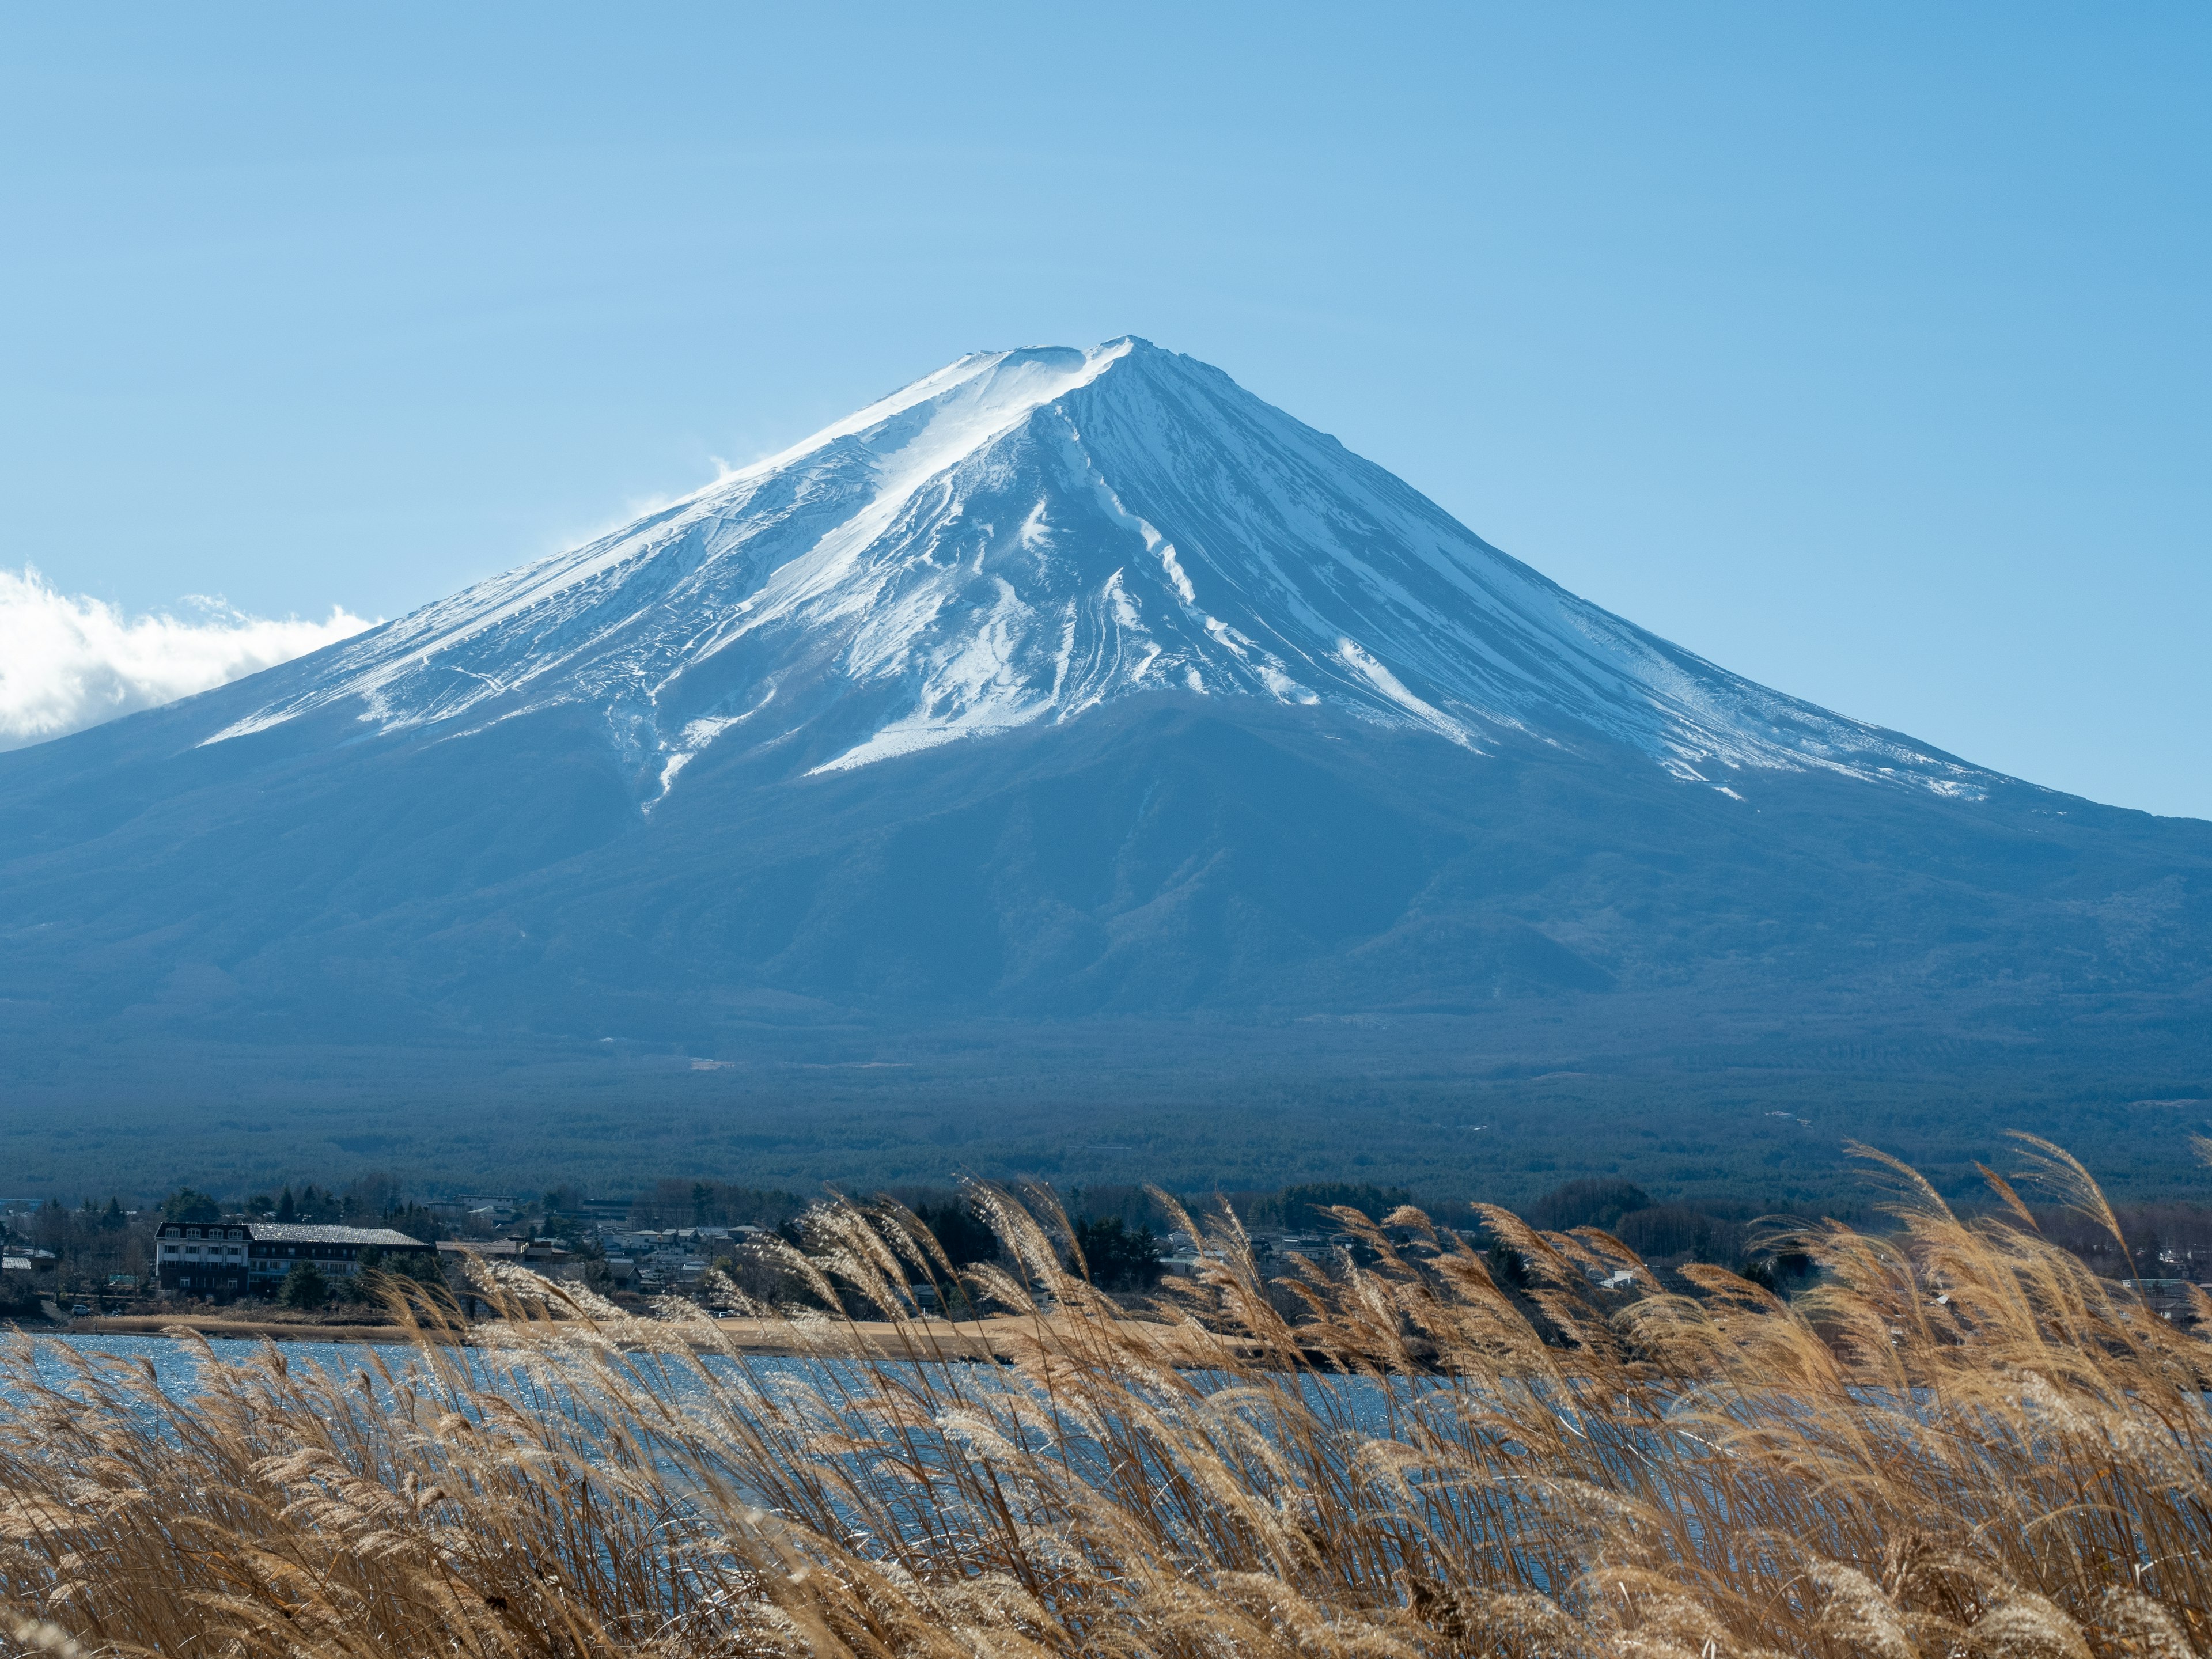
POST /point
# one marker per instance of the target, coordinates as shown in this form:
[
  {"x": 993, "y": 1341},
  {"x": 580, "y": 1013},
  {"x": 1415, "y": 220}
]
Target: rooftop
[
  {"x": 299, "y": 1233},
  {"x": 294, "y": 1232}
]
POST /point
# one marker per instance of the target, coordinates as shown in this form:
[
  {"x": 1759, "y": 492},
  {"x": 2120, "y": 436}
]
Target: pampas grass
[{"x": 1960, "y": 1442}]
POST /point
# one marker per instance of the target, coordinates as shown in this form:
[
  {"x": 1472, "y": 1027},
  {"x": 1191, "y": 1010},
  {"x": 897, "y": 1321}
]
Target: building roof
[
  {"x": 295, "y": 1232},
  {"x": 298, "y": 1233}
]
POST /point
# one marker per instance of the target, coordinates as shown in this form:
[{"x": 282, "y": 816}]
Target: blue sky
[{"x": 1865, "y": 351}]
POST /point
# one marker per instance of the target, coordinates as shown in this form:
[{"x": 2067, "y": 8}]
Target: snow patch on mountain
[{"x": 1023, "y": 536}]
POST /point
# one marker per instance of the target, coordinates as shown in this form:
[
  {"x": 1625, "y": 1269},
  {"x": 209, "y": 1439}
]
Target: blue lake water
[
  {"x": 178, "y": 1368},
  {"x": 1356, "y": 1408}
]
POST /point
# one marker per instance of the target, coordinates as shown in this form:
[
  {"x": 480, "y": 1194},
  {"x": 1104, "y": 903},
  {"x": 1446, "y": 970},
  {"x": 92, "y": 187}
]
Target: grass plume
[{"x": 1962, "y": 1442}]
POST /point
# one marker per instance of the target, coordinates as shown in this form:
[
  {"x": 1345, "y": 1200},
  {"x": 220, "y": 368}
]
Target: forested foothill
[{"x": 1398, "y": 1103}]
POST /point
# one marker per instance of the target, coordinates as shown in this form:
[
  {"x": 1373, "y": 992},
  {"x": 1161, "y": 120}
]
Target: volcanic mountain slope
[
  {"x": 1026, "y": 535},
  {"x": 1058, "y": 683}
]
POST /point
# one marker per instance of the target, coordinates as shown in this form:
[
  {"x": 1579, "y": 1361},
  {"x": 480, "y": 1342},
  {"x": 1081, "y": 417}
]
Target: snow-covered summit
[{"x": 1025, "y": 535}]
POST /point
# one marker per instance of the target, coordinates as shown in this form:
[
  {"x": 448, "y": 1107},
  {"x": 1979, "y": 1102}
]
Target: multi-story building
[{"x": 235, "y": 1257}]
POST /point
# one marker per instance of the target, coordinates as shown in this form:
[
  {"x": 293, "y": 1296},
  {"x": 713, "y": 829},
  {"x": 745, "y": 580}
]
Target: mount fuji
[
  {"x": 1060, "y": 693},
  {"x": 1024, "y": 537}
]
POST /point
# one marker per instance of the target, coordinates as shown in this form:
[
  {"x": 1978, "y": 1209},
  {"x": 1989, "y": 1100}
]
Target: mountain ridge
[
  {"x": 953, "y": 560},
  {"x": 855, "y": 756}
]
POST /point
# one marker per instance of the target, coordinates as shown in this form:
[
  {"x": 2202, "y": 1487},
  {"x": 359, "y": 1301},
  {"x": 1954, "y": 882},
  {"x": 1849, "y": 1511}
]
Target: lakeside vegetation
[
  {"x": 101, "y": 1255},
  {"x": 1954, "y": 1438}
]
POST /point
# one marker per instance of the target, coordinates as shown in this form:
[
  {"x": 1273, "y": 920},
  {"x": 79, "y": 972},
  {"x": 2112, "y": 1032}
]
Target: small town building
[
  {"x": 223, "y": 1260},
  {"x": 538, "y": 1255},
  {"x": 487, "y": 1249}
]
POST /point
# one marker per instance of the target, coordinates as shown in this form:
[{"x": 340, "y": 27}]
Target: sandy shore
[
  {"x": 930, "y": 1339},
  {"x": 218, "y": 1328},
  {"x": 969, "y": 1342}
]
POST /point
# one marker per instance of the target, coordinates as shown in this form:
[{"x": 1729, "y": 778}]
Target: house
[
  {"x": 541, "y": 1256},
  {"x": 2171, "y": 1299},
  {"x": 233, "y": 1257},
  {"x": 489, "y": 1249}
]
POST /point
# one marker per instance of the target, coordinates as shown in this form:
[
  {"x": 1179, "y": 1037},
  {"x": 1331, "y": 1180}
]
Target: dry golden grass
[{"x": 1962, "y": 1443}]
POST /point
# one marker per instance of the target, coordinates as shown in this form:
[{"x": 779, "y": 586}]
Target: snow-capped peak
[
  {"x": 1025, "y": 535},
  {"x": 956, "y": 410}
]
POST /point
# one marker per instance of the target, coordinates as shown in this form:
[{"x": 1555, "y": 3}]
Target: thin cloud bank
[{"x": 68, "y": 661}]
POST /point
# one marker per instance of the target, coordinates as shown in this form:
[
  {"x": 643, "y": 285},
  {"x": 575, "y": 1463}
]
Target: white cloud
[{"x": 67, "y": 661}]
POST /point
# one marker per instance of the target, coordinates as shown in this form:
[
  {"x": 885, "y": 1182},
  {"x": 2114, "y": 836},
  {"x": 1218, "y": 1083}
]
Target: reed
[{"x": 1961, "y": 1442}]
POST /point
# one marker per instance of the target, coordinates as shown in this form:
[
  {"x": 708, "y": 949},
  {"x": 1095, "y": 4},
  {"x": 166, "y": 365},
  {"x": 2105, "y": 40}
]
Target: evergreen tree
[
  {"x": 965, "y": 1236},
  {"x": 1120, "y": 1258},
  {"x": 286, "y": 1210},
  {"x": 185, "y": 1205},
  {"x": 305, "y": 1286}
]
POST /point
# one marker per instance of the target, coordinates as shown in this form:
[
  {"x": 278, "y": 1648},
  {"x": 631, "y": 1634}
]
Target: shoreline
[
  {"x": 767, "y": 1339},
  {"x": 222, "y": 1330},
  {"x": 990, "y": 1341}
]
